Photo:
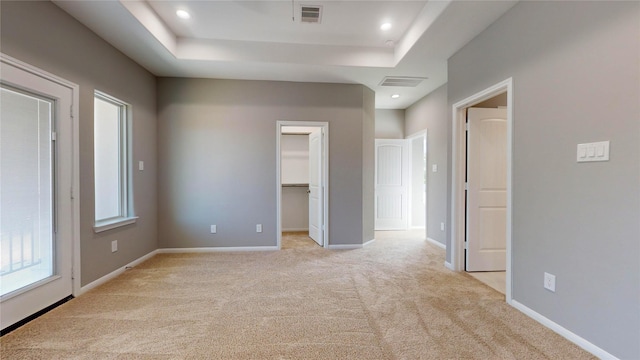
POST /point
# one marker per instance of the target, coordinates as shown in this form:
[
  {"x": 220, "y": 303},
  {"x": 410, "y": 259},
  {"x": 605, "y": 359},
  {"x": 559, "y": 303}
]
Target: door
[
  {"x": 487, "y": 189},
  {"x": 315, "y": 186},
  {"x": 391, "y": 184},
  {"x": 35, "y": 202}
]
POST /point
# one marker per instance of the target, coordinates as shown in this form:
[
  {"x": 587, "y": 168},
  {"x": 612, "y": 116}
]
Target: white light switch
[
  {"x": 259, "y": 228},
  {"x": 597, "y": 151},
  {"x": 140, "y": 165},
  {"x": 114, "y": 246},
  {"x": 434, "y": 167},
  {"x": 214, "y": 229}
]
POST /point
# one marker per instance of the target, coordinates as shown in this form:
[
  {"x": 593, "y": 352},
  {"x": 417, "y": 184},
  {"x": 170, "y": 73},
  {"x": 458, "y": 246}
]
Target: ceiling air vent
[
  {"x": 402, "y": 81},
  {"x": 310, "y": 13}
]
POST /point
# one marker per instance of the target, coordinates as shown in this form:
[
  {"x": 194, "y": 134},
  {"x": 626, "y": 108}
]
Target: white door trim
[
  {"x": 418, "y": 135},
  {"x": 75, "y": 161},
  {"x": 458, "y": 170},
  {"x": 325, "y": 176}
]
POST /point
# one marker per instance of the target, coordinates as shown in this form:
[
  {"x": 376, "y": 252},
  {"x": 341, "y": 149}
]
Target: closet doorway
[{"x": 302, "y": 178}]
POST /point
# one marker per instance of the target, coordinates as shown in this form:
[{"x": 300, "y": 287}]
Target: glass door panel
[{"x": 26, "y": 190}]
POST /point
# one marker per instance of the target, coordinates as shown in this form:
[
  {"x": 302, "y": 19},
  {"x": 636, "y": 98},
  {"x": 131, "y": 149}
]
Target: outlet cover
[
  {"x": 441, "y": 226},
  {"x": 550, "y": 282},
  {"x": 214, "y": 229},
  {"x": 114, "y": 246},
  {"x": 259, "y": 228}
]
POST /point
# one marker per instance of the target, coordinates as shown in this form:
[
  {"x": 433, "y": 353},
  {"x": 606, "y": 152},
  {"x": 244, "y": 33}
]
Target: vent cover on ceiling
[
  {"x": 310, "y": 13},
  {"x": 403, "y": 81}
]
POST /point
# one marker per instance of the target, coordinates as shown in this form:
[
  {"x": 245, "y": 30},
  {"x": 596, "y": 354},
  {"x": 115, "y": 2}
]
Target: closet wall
[{"x": 295, "y": 182}]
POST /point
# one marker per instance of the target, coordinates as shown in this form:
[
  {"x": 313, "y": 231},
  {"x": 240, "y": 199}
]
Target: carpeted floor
[{"x": 391, "y": 300}]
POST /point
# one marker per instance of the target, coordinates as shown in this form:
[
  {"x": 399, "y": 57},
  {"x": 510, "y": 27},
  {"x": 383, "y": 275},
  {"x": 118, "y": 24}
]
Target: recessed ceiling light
[
  {"x": 395, "y": 96},
  {"x": 385, "y": 26},
  {"x": 183, "y": 14}
]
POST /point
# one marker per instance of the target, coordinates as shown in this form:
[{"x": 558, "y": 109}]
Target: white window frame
[{"x": 126, "y": 214}]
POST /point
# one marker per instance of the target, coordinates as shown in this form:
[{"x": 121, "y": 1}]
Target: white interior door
[
  {"x": 35, "y": 203},
  {"x": 391, "y": 184},
  {"x": 487, "y": 189},
  {"x": 315, "y": 186}
]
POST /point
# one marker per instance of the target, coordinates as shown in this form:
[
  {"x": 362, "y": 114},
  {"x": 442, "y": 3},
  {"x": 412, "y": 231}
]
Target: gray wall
[
  {"x": 431, "y": 113},
  {"x": 390, "y": 124},
  {"x": 217, "y": 158},
  {"x": 41, "y": 34},
  {"x": 368, "y": 163},
  {"x": 494, "y": 102},
  {"x": 576, "y": 79}
]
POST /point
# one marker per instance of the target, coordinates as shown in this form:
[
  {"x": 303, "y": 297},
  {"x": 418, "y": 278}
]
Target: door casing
[
  {"x": 458, "y": 208},
  {"x": 325, "y": 176}
]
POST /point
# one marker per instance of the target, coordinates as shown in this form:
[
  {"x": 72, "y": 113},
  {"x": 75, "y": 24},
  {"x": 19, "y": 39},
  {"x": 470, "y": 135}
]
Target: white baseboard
[
  {"x": 295, "y": 229},
  {"x": 437, "y": 243},
  {"x": 216, "y": 249},
  {"x": 112, "y": 275},
  {"x": 345, "y": 247},
  {"x": 583, "y": 343},
  {"x": 449, "y": 266},
  {"x": 368, "y": 242}
]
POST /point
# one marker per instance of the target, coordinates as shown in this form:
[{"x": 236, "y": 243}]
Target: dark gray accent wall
[
  {"x": 217, "y": 158},
  {"x": 431, "y": 113},
  {"x": 576, "y": 80},
  {"x": 41, "y": 34}
]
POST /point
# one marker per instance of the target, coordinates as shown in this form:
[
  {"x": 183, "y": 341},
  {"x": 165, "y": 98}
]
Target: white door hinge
[
  {"x": 53, "y": 136},
  {"x": 466, "y": 186}
]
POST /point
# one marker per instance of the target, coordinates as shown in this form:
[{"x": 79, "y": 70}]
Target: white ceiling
[{"x": 259, "y": 40}]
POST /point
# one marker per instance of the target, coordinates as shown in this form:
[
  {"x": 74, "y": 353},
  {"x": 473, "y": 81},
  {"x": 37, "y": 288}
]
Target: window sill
[{"x": 112, "y": 224}]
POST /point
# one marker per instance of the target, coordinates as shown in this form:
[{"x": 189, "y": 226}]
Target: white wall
[
  {"x": 417, "y": 188},
  {"x": 295, "y": 170}
]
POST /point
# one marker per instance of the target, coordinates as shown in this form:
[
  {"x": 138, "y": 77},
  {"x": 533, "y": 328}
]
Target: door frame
[
  {"x": 414, "y": 136},
  {"x": 325, "y": 176},
  {"x": 75, "y": 161},
  {"x": 458, "y": 165}
]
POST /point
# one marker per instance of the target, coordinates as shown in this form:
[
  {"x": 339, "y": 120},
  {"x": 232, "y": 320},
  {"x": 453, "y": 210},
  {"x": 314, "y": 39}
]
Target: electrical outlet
[
  {"x": 550, "y": 282},
  {"x": 214, "y": 229},
  {"x": 114, "y": 246},
  {"x": 441, "y": 226},
  {"x": 259, "y": 228}
]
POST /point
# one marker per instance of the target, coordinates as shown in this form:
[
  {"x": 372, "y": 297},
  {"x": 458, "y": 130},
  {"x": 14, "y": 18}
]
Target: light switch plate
[
  {"x": 259, "y": 228},
  {"x": 596, "y": 151},
  {"x": 434, "y": 168},
  {"x": 214, "y": 229},
  {"x": 114, "y": 246},
  {"x": 550, "y": 282}
]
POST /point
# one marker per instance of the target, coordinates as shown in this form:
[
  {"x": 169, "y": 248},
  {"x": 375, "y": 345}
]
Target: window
[{"x": 113, "y": 195}]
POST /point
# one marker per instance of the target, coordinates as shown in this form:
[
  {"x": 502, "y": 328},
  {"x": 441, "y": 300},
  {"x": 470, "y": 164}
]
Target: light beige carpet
[{"x": 391, "y": 300}]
